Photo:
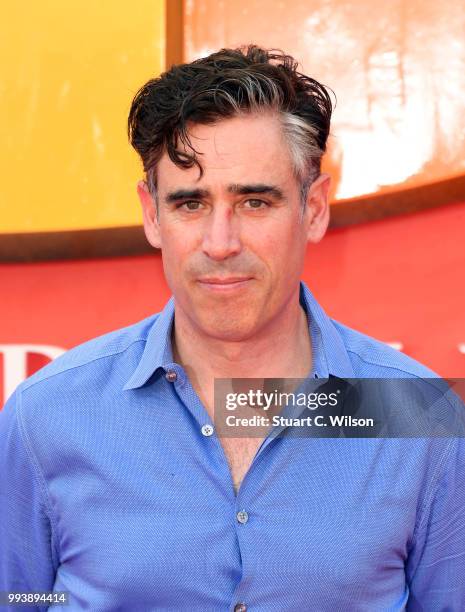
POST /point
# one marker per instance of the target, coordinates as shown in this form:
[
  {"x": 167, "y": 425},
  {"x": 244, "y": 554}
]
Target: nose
[{"x": 221, "y": 234}]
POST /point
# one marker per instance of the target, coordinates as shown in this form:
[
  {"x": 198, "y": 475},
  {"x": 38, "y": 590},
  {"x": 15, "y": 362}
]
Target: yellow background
[{"x": 69, "y": 73}]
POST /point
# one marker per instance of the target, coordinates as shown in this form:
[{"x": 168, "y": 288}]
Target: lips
[
  {"x": 224, "y": 281},
  {"x": 229, "y": 283}
]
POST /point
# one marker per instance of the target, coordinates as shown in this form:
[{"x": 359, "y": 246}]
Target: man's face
[{"x": 233, "y": 242}]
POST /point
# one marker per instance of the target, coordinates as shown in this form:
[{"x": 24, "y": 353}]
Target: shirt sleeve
[
  {"x": 436, "y": 565},
  {"x": 27, "y": 555}
]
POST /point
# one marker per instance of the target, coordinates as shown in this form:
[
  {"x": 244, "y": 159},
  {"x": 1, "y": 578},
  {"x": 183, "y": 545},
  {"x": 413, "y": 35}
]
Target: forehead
[{"x": 249, "y": 148}]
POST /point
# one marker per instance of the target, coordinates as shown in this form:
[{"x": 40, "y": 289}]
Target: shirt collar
[
  {"x": 158, "y": 352},
  {"x": 330, "y": 356}
]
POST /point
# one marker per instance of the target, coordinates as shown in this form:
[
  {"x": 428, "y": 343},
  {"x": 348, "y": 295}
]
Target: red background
[{"x": 399, "y": 279}]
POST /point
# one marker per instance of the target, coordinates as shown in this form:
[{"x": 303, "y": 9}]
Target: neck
[{"x": 205, "y": 358}]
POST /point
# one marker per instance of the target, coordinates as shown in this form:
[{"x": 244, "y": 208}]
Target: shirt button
[
  {"x": 242, "y": 517},
  {"x": 240, "y": 607},
  {"x": 171, "y": 376},
  {"x": 207, "y": 430}
]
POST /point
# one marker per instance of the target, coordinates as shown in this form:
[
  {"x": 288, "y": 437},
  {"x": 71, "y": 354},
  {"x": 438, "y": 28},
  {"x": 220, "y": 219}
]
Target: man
[{"x": 115, "y": 487}]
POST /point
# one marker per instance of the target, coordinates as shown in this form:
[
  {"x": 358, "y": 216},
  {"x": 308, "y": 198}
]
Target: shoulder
[
  {"x": 428, "y": 402},
  {"x": 58, "y": 408},
  {"x": 94, "y": 358},
  {"x": 371, "y": 357}
]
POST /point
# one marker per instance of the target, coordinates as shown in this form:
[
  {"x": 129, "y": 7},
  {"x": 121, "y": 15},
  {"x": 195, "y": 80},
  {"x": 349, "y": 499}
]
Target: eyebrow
[
  {"x": 182, "y": 194},
  {"x": 236, "y": 188},
  {"x": 256, "y": 188}
]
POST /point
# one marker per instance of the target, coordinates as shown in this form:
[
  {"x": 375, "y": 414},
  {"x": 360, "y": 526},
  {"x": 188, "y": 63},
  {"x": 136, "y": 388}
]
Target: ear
[
  {"x": 149, "y": 214},
  {"x": 317, "y": 208}
]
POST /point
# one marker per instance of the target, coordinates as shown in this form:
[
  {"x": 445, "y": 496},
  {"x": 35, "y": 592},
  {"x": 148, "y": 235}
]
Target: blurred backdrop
[{"x": 73, "y": 258}]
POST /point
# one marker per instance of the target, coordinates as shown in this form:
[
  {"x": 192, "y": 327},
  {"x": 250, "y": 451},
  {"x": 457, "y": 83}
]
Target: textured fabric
[{"x": 110, "y": 491}]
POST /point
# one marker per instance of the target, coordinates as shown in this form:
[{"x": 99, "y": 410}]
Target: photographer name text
[{"x": 316, "y": 421}]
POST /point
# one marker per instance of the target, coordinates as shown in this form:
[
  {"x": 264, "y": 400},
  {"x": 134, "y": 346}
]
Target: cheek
[
  {"x": 177, "y": 242},
  {"x": 175, "y": 252},
  {"x": 281, "y": 248}
]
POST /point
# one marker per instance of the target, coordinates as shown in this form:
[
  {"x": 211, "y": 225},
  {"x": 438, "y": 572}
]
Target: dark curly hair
[{"x": 226, "y": 84}]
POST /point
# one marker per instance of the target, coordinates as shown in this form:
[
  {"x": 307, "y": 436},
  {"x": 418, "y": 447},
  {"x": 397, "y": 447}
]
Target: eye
[
  {"x": 256, "y": 204},
  {"x": 190, "y": 205}
]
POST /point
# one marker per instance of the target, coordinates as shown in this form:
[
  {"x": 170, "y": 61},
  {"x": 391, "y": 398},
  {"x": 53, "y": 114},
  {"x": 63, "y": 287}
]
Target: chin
[{"x": 229, "y": 330}]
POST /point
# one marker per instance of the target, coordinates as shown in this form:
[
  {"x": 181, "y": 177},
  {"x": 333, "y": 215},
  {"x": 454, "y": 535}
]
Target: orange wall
[
  {"x": 397, "y": 68},
  {"x": 69, "y": 72}
]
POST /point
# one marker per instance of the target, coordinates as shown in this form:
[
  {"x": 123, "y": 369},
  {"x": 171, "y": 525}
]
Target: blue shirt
[{"x": 110, "y": 490}]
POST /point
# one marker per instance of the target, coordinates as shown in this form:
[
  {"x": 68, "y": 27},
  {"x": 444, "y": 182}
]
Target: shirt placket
[{"x": 242, "y": 512}]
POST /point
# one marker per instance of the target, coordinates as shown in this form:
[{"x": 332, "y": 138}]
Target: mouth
[{"x": 224, "y": 284}]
